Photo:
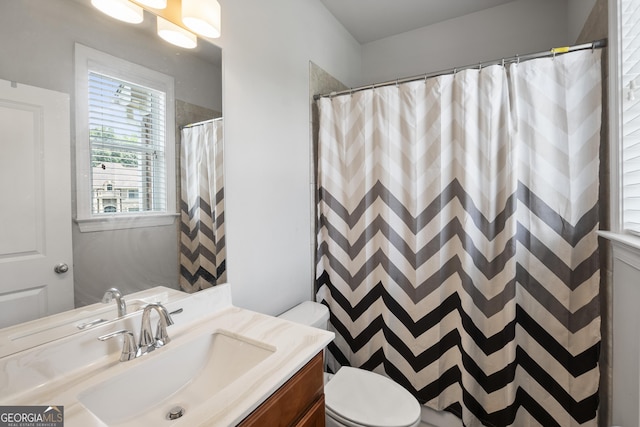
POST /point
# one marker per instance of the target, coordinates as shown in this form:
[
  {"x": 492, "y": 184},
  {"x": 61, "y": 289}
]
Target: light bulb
[
  {"x": 122, "y": 10},
  {"x": 202, "y": 17},
  {"x": 175, "y": 34},
  {"x": 156, "y": 4}
]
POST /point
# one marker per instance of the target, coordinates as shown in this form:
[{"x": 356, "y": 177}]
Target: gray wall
[
  {"x": 515, "y": 28},
  {"x": 578, "y": 14}
]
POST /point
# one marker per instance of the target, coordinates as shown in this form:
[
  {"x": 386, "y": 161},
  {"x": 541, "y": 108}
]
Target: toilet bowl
[{"x": 356, "y": 397}]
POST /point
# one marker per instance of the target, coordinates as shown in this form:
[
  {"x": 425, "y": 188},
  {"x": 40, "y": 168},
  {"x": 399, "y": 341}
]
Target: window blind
[
  {"x": 127, "y": 145},
  {"x": 630, "y": 50}
]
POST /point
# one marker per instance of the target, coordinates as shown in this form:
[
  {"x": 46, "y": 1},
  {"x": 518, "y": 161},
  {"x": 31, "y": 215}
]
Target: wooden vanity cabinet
[{"x": 299, "y": 402}]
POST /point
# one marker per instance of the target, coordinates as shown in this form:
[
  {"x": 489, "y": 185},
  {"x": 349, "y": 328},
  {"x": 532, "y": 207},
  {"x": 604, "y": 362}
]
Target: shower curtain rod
[
  {"x": 190, "y": 125},
  {"x": 553, "y": 52}
]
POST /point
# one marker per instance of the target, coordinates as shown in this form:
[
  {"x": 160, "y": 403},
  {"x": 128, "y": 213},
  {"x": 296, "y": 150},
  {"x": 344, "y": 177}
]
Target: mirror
[{"x": 37, "y": 41}]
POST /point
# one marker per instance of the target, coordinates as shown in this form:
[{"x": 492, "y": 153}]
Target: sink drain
[{"x": 175, "y": 413}]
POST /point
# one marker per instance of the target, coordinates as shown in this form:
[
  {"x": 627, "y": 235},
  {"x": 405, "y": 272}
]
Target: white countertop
[{"x": 46, "y": 384}]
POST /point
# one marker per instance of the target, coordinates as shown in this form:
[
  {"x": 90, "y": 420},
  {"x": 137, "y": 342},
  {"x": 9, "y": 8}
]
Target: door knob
[{"x": 61, "y": 268}]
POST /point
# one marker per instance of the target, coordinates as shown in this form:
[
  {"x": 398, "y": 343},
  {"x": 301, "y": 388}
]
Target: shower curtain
[
  {"x": 202, "y": 239},
  {"x": 456, "y": 238}
]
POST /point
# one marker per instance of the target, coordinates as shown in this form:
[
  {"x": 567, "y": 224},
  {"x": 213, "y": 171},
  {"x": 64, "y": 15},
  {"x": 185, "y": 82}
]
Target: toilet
[{"x": 356, "y": 397}]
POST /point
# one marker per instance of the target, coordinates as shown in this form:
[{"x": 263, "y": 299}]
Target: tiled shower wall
[{"x": 320, "y": 82}]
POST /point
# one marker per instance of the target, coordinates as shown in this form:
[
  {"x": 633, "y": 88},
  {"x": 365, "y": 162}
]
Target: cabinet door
[
  {"x": 291, "y": 402},
  {"x": 315, "y": 416}
]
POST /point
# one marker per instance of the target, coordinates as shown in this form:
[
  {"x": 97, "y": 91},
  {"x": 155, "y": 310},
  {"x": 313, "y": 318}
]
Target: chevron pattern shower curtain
[
  {"x": 456, "y": 238},
  {"x": 202, "y": 242}
]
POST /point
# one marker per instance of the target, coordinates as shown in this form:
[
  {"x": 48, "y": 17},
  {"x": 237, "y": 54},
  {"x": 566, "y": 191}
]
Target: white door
[{"x": 35, "y": 203}]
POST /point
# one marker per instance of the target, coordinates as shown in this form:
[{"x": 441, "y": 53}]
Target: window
[
  {"x": 629, "y": 157},
  {"x": 124, "y": 143}
]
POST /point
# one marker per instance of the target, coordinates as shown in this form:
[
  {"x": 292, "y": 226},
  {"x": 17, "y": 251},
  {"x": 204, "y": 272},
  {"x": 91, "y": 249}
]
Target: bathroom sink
[
  {"x": 185, "y": 375},
  {"x": 221, "y": 364}
]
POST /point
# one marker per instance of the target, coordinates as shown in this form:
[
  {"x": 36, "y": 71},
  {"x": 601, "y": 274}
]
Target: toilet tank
[{"x": 308, "y": 313}]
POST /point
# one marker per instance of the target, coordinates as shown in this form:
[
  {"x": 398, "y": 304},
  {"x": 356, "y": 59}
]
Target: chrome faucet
[
  {"x": 147, "y": 341},
  {"x": 114, "y": 293},
  {"x": 129, "y": 348}
]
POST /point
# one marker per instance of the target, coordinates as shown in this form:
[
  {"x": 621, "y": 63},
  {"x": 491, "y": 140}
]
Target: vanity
[
  {"x": 299, "y": 402},
  {"x": 223, "y": 366}
]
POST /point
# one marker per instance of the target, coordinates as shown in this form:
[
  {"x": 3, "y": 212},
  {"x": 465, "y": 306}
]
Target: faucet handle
[
  {"x": 162, "y": 337},
  {"x": 147, "y": 341},
  {"x": 129, "y": 348}
]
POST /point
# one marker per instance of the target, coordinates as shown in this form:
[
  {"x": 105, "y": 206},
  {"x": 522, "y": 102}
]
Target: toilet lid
[{"x": 368, "y": 399}]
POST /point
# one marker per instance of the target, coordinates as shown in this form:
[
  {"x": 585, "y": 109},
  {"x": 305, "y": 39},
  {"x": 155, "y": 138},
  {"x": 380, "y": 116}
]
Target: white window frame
[
  {"x": 616, "y": 94},
  {"x": 615, "y": 117},
  {"x": 90, "y": 59}
]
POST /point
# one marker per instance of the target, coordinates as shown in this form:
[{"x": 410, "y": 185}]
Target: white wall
[
  {"x": 626, "y": 341},
  {"x": 267, "y": 47},
  {"x": 515, "y": 28}
]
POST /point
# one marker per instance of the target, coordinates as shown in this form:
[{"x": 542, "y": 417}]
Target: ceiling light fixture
[
  {"x": 156, "y": 4},
  {"x": 122, "y": 10},
  {"x": 175, "y": 34},
  {"x": 202, "y": 17}
]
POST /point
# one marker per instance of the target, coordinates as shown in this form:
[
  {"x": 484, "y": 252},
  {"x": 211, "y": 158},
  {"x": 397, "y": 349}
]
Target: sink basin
[
  {"x": 221, "y": 364},
  {"x": 185, "y": 375}
]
